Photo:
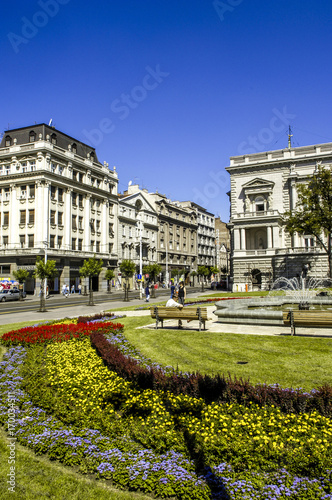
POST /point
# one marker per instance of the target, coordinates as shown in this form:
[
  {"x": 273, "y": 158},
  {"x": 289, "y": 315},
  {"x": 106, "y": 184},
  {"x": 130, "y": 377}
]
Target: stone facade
[
  {"x": 263, "y": 188},
  {"x": 57, "y": 200}
]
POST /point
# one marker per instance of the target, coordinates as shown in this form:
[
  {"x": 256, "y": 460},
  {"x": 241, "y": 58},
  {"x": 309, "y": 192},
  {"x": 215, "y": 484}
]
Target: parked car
[{"x": 7, "y": 295}]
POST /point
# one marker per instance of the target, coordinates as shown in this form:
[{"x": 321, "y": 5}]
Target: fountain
[{"x": 285, "y": 294}]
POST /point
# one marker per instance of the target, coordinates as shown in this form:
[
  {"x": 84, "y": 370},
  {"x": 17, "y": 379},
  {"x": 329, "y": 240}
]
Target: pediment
[
  {"x": 140, "y": 198},
  {"x": 257, "y": 184}
]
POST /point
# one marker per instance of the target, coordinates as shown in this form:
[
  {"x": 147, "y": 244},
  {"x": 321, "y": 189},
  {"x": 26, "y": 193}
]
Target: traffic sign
[{"x": 139, "y": 276}]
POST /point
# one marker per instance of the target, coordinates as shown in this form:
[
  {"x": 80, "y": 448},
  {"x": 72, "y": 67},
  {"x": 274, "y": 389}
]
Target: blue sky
[{"x": 168, "y": 91}]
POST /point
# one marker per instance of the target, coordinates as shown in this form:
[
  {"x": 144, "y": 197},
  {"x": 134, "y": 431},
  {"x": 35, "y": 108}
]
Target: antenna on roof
[
  {"x": 290, "y": 135},
  {"x": 130, "y": 183},
  {"x": 50, "y": 123}
]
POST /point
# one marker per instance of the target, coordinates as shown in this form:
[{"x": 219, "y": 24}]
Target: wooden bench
[
  {"x": 187, "y": 313},
  {"x": 320, "y": 319}
]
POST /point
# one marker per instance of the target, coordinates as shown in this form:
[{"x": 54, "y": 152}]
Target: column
[
  {"x": 67, "y": 221},
  {"x": 86, "y": 242},
  {"x": 13, "y": 209},
  {"x": 243, "y": 238},
  {"x": 39, "y": 214},
  {"x": 236, "y": 239},
  {"x": 276, "y": 242},
  {"x": 104, "y": 227},
  {"x": 269, "y": 236}
]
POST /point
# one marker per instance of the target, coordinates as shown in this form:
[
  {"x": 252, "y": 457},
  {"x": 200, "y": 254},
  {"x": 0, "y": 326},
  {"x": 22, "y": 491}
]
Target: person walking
[
  {"x": 182, "y": 293},
  {"x": 63, "y": 290},
  {"x": 73, "y": 289},
  {"x": 172, "y": 289},
  {"x": 66, "y": 291},
  {"x": 147, "y": 293},
  {"x": 79, "y": 289}
]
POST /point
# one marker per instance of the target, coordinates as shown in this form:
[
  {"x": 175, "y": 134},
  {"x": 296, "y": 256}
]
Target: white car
[{"x": 7, "y": 295}]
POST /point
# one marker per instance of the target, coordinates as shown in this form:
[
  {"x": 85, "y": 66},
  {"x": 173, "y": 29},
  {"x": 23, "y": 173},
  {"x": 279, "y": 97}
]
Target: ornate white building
[
  {"x": 58, "y": 200},
  {"x": 263, "y": 188}
]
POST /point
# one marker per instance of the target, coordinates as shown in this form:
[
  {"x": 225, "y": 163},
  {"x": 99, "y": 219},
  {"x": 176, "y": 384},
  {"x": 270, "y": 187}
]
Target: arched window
[
  {"x": 260, "y": 203},
  {"x": 53, "y": 139},
  {"x": 74, "y": 147},
  {"x": 92, "y": 156},
  {"x": 32, "y": 136},
  {"x": 8, "y": 141}
]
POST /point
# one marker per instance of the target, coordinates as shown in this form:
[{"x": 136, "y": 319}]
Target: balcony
[{"x": 255, "y": 215}]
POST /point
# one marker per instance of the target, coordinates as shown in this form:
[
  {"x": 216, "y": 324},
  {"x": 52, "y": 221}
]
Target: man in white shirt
[{"x": 174, "y": 303}]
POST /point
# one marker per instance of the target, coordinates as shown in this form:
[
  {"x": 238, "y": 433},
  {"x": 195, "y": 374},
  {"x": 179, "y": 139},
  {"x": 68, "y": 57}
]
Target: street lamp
[{"x": 139, "y": 226}]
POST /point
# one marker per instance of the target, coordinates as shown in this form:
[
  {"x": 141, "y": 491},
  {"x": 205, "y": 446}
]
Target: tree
[
  {"x": 313, "y": 211},
  {"x": 91, "y": 267},
  {"x": 127, "y": 268},
  {"x": 44, "y": 271},
  {"x": 153, "y": 270},
  {"x": 21, "y": 275},
  {"x": 109, "y": 275},
  {"x": 202, "y": 271}
]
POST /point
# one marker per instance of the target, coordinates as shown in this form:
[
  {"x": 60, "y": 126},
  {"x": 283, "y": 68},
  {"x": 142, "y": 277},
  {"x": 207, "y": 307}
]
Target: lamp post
[
  {"x": 47, "y": 234},
  {"x": 139, "y": 226}
]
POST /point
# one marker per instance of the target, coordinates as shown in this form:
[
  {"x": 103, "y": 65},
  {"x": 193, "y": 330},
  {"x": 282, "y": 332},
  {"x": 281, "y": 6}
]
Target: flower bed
[
  {"x": 56, "y": 333},
  {"x": 165, "y": 441}
]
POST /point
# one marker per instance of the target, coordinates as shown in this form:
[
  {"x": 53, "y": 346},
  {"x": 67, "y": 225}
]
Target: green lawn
[{"x": 289, "y": 361}]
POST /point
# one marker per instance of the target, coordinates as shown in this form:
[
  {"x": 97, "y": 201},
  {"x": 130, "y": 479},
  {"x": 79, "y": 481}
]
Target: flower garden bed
[{"x": 159, "y": 439}]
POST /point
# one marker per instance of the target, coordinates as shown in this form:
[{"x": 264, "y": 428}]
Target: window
[
  {"x": 32, "y": 191},
  {"x": 23, "y": 216},
  {"x": 32, "y": 165},
  {"x": 74, "y": 199},
  {"x": 53, "y": 139},
  {"x": 31, "y": 240},
  {"x": 53, "y": 192},
  {"x": 22, "y": 240},
  {"x": 5, "y": 241},
  {"x": 110, "y": 229},
  {"x": 80, "y": 200},
  {"x": 110, "y": 247},
  {"x": 60, "y": 218},
  {"x": 92, "y": 225},
  {"x": 260, "y": 204},
  {"x": 80, "y": 222},
  {"x": 53, "y": 167},
  {"x": 6, "y": 218},
  {"x": 98, "y": 225},
  {"x": 59, "y": 241},
  {"x": 31, "y": 216},
  {"x": 111, "y": 208},
  {"x": 7, "y": 167},
  {"x": 73, "y": 243},
  {"x": 75, "y": 175},
  {"x": 24, "y": 167},
  {"x": 92, "y": 245},
  {"x": 97, "y": 246},
  {"x": 123, "y": 230},
  {"x": 60, "y": 194},
  {"x": 52, "y": 216},
  {"x": 52, "y": 241},
  {"x": 23, "y": 192},
  {"x": 80, "y": 177},
  {"x": 32, "y": 136},
  {"x": 8, "y": 141},
  {"x": 80, "y": 245},
  {"x": 74, "y": 148},
  {"x": 74, "y": 222}
]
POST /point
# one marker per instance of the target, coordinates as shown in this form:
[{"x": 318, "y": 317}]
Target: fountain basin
[{"x": 253, "y": 311}]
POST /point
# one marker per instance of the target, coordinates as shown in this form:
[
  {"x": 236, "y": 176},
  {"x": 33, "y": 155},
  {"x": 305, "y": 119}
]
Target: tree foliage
[
  {"x": 127, "y": 268},
  {"x": 313, "y": 211},
  {"x": 44, "y": 271},
  {"x": 91, "y": 267},
  {"x": 21, "y": 275},
  {"x": 153, "y": 270}
]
